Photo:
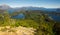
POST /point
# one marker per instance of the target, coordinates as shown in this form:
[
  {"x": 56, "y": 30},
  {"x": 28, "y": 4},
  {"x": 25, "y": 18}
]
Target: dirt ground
[{"x": 16, "y": 31}]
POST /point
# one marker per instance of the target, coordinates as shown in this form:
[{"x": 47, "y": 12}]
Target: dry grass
[{"x": 16, "y": 31}]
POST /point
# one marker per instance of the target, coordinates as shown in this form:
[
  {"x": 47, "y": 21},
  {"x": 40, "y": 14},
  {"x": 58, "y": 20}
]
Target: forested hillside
[{"x": 38, "y": 20}]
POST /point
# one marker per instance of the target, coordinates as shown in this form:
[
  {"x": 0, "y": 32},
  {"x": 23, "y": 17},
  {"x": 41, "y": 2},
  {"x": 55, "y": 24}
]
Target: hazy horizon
[{"x": 32, "y": 3}]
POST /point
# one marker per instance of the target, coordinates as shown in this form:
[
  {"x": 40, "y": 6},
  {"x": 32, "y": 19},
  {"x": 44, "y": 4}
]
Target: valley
[{"x": 29, "y": 20}]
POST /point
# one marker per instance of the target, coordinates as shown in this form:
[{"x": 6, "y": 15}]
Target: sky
[{"x": 33, "y": 3}]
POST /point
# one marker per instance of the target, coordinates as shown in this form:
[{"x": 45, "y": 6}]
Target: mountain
[
  {"x": 4, "y": 7},
  {"x": 18, "y": 9},
  {"x": 37, "y": 8},
  {"x": 30, "y": 8},
  {"x": 10, "y": 9}
]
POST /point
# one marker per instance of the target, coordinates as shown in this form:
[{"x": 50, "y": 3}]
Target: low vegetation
[{"x": 39, "y": 21}]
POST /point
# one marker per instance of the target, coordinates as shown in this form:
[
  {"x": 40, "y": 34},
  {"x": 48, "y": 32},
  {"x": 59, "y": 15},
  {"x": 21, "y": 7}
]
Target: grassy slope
[{"x": 34, "y": 20}]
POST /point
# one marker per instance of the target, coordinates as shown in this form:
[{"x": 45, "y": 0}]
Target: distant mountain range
[
  {"x": 10, "y": 10},
  {"x": 6, "y": 7}
]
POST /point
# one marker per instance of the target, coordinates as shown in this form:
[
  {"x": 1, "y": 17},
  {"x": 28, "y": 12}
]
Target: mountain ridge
[{"x": 7, "y": 7}]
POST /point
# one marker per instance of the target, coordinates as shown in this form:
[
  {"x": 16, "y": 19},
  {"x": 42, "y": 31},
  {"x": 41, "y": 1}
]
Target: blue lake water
[
  {"x": 22, "y": 16},
  {"x": 19, "y": 16},
  {"x": 55, "y": 18}
]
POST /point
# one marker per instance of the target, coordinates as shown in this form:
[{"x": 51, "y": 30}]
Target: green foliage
[
  {"x": 25, "y": 23},
  {"x": 11, "y": 30},
  {"x": 32, "y": 19},
  {"x": 45, "y": 24},
  {"x": 3, "y": 29}
]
